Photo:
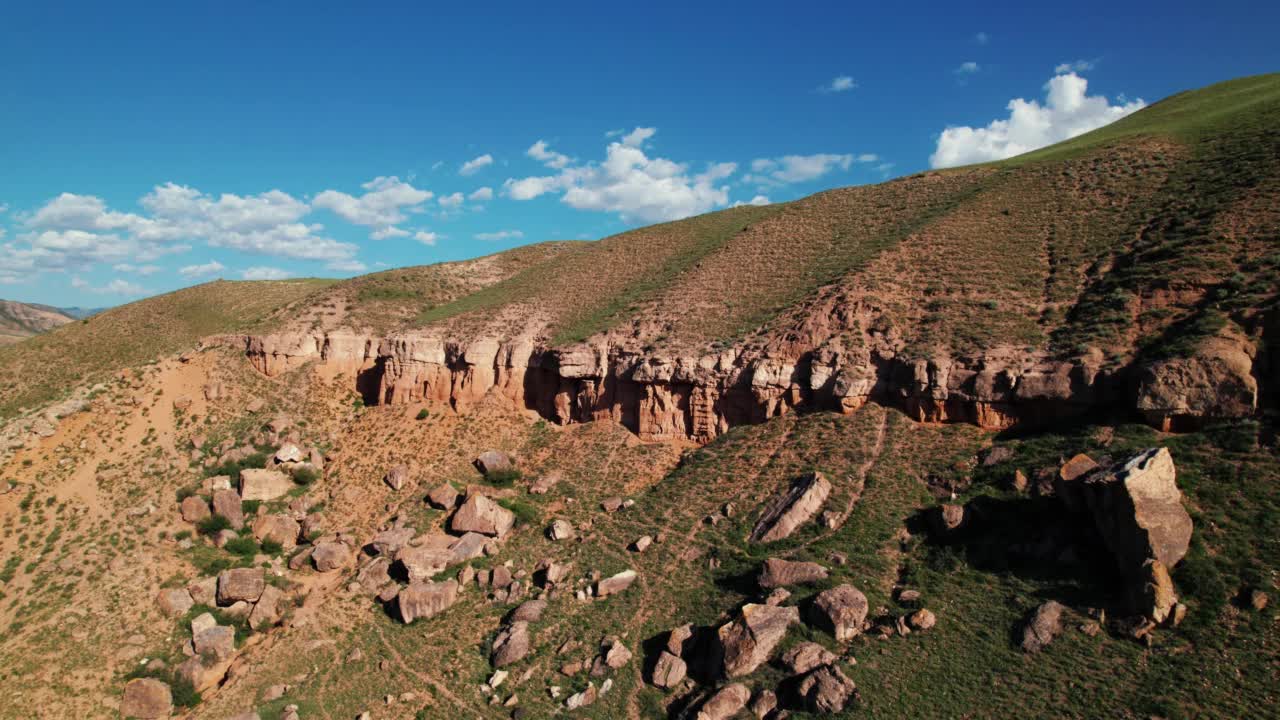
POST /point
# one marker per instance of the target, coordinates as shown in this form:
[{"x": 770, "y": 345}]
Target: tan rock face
[
  {"x": 727, "y": 702},
  {"x": 481, "y": 515},
  {"x": 280, "y": 529},
  {"x": 615, "y": 584},
  {"x": 827, "y": 690},
  {"x": 841, "y": 611},
  {"x": 227, "y": 504},
  {"x": 785, "y": 513},
  {"x": 145, "y": 699},
  {"x": 423, "y": 600},
  {"x": 511, "y": 644},
  {"x": 240, "y": 584},
  {"x": 1137, "y": 507},
  {"x": 1217, "y": 382},
  {"x": 669, "y": 670},
  {"x": 257, "y": 484},
  {"x": 779, "y": 573},
  {"x": 749, "y": 641},
  {"x": 1045, "y": 624}
]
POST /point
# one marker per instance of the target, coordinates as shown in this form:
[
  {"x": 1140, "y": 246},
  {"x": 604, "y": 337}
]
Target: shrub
[
  {"x": 423, "y": 414},
  {"x": 502, "y": 478},
  {"x": 242, "y": 546},
  {"x": 213, "y": 524},
  {"x": 526, "y": 513},
  {"x": 250, "y": 507},
  {"x": 305, "y": 476},
  {"x": 271, "y": 547}
]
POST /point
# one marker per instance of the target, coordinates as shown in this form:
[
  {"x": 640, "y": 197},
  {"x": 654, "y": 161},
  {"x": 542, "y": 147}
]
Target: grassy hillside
[{"x": 86, "y": 351}]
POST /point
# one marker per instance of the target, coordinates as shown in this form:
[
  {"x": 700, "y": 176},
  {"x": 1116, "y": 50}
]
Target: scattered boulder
[
  {"x": 528, "y": 611},
  {"x": 642, "y": 543},
  {"x": 922, "y": 620},
  {"x": 194, "y": 509},
  {"x": 947, "y": 520},
  {"x": 786, "y": 512},
  {"x": 145, "y": 699},
  {"x": 764, "y": 703},
  {"x": 611, "y": 504},
  {"x": 390, "y": 541},
  {"x": 290, "y": 453},
  {"x": 727, "y": 702},
  {"x": 396, "y": 477},
  {"x": 240, "y": 584},
  {"x": 423, "y": 600},
  {"x": 329, "y": 556},
  {"x": 175, "y": 602},
  {"x": 544, "y": 483},
  {"x": 217, "y": 643},
  {"x": 227, "y": 504},
  {"x": 805, "y": 656},
  {"x": 423, "y": 562},
  {"x": 615, "y": 584},
  {"x": 481, "y": 515},
  {"x": 492, "y": 461},
  {"x": 777, "y": 572},
  {"x": 669, "y": 671},
  {"x": 827, "y": 690},
  {"x": 269, "y": 609},
  {"x": 511, "y": 645},
  {"x": 280, "y": 529},
  {"x": 841, "y": 611},
  {"x": 467, "y": 547},
  {"x": 748, "y": 641},
  {"x": 1065, "y": 484},
  {"x": 560, "y": 530},
  {"x": 258, "y": 484},
  {"x": 443, "y": 497},
  {"x": 613, "y": 655},
  {"x": 204, "y": 591},
  {"x": 1258, "y": 600},
  {"x": 1045, "y": 624}
]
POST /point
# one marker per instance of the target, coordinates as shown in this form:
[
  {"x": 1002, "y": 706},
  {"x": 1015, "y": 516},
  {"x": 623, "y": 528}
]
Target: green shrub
[
  {"x": 526, "y": 513},
  {"x": 305, "y": 476},
  {"x": 502, "y": 478},
  {"x": 243, "y": 546},
  {"x": 423, "y": 414},
  {"x": 213, "y": 524},
  {"x": 250, "y": 507},
  {"x": 271, "y": 547}
]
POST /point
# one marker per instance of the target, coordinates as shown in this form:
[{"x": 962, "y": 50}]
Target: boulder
[
  {"x": 204, "y": 591},
  {"x": 423, "y": 600},
  {"x": 329, "y": 556},
  {"x": 511, "y": 644},
  {"x": 217, "y": 643},
  {"x": 805, "y": 656},
  {"x": 764, "y": 703},
  {"x": 290, "y": 453},
  {"x": 269, "y": 609},
  {"x": 1066, "y": 484},
  {"x": 175, "y": 602},
  {"x": 615, "y": 584},
  {"x": 443, "y": 497},
  {"x": 1044, "y": 625},
  {"x": 786, "y": 512},
  {"x": 922, "y": 620},
  {"x": 748, "y": 641},
  {"x": 1137, "y": 507},
  {"x": 491, "y": 461},
  {"x": 727, "y": 702},
  {"x": 777, "y": 572},
  {"x": 611, "y": 504},
  {"x": 560, "y": 530},
  {"x": 145, "y": 699},
  {"x": 669, "y": 671},
  {"x": 528, "y": 611},
  {"x": 613, "y": 655},
  {"x": 194, "y": 509},
  {"x": 257, "y": 484},
  {"x": 1218, "y": 381},
  {"x": 202, "y": 622},
  {"x": 481, "y": 515},
  {"x": 841, "y": 611},
  {"x": 396, "y": 477},
  {"x": 227, "y": 504},
  {"x": 827, "y": 690},
  {"x": 467, "y": 547},
  {"x": 280, "y": 529},
  {"x": 240, "y": 584},
  {"x": 389, "y": 542},
  {"x": 947, "y": 520},
  {"x": 423, "y": 562}
]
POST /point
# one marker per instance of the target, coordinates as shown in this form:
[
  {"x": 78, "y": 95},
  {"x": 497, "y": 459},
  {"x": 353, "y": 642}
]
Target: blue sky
[{"x": 146, "y": 147}]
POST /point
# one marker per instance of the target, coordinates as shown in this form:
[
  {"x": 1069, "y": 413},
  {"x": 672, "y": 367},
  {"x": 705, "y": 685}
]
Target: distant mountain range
[{"x": 19, "y": 321}]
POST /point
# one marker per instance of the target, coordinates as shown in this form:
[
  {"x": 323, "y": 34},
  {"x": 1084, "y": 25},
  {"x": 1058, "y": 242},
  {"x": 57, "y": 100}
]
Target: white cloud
[
  {"x": 636, "y": 137},
  {"x": 354, "y": 266},
  {"x": 451, "y": 201},
  {"x": 838, "y": 84},
  {"x": 981, "y": 38},
  {"x": 967, "y": 68},
  {"x": 868, "y": 158},
  {"x": 630, "y": 183},
  {"x": 425, "y": 237},
  {"x": 389, "y": 231},
  {"x": 757, "y": 200},
  {"x": 542, "y": 152},
  {"x": 500, "y": 235},
  {"x": 191, "y": 272},
  {"x": 384, "y": 203},
  {"x": 473, "y": 166},
  {"x": 265, "y": 273},
  {"x": 1078, "y": 66},
  {"x": 143, "y": 270},
  {"x": 796, "y": 168},
  {"x": 115, "y": 287},
  {"x": 1068, "y": 111},
  {"x": 4, "y": 208},
  {"x": 484, "y": 193}
]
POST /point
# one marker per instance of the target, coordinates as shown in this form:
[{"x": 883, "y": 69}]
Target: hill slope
[{"x": 22, "y": 320}]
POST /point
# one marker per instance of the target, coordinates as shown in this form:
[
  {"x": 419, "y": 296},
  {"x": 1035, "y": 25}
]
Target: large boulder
[
  {"x": 491, "y": 461},
  {"x": 215, "y": 644},
  {"x": 1044, "y": 625},
  {"x": 467, "y": 547},
  {"x": 727, "y": 702},
  {"x": 615, "y": 584},
  {"x": 396, "y": 477},
  {"x": 481, "y": 515},
  {"x": 444, "y": 497},
  {"x": 269, "y": 609},
  {"x": 175, "y": 602},
  {"x": 777, "y": 572},
  {"x": 423, "y": 600},
  {"x": 748, "y": 641},
  {"x": 227, "y": 504},
  {"x": 1216, "y": 382},
  {"x": 423, "y": 562},
  {"x": 803, "y": 657},
  {"x": 511, "y": 644},
  {"x": 145, "y": 699},
  {"x": 280, "y": 529},
  {"x": 240, "y": 584},
  {"x": 258, "y": 484},
  {"x": 1137, "y": 507},
  {"x": 841, "y": 611},
  {"x": 194, "y": 509},
  {"x": 789, "y": 510},
  {"x": 827, "y": 690},
  {"x": 669, "y": 671},
  {"x": 329, "y": 556}
]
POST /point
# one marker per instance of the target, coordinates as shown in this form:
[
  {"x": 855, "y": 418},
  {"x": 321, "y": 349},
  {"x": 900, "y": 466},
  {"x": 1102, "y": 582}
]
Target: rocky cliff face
[{"x": 663, "y": 396}]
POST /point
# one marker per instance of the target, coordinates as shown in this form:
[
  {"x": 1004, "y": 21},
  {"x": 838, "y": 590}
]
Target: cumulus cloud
[
  {"x": 1077, "y": 66},
  {"x": 757, "y": 200},
  {"x": 390, "y": 231},
  {"x": 191, "y": 272},
  {"x": 543, "y": 153},
  {"x": 770, "y": 172},
  {"x": 385, "y": 202},
  {"x": 1068, "y": 111},
  {"x": 115, "y": 287},
  {"x": 499, "y": 235},
  {"x": 143, "y": 270},
  {"x": 630, "y": 183},
  {"x": 451, "y": 201},
  {"x": 841, "y": 83},
  {"x": 475, "y": 165},
  {"x": 484, "y": 193},
  {"x": 425, "y": 237},
  {"x": 265, "y": 273}
]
